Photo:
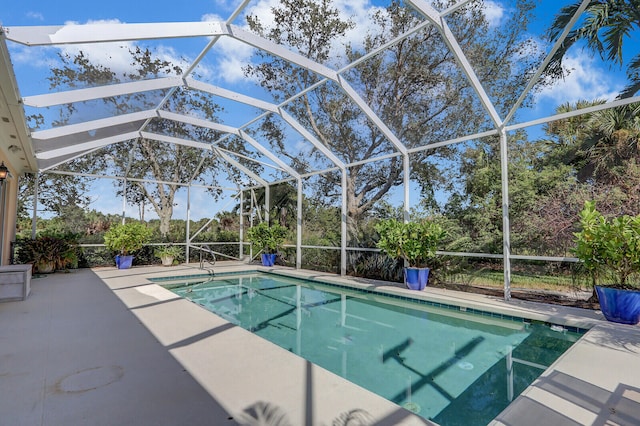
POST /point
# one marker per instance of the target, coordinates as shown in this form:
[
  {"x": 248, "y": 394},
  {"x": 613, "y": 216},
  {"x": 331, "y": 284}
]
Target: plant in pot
[
  {"x": 269, "y": 239},
  {"x": 125, "y": 239},
  {"x": 168, "y": 254},
  {"x": 49, "y": 253},
  {"x": 610, "y": 250},
  {"x": 414, "y": 242}
]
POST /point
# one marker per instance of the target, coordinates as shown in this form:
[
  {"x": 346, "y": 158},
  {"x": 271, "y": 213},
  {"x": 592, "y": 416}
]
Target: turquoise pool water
[{"x": 450, "y": 366}]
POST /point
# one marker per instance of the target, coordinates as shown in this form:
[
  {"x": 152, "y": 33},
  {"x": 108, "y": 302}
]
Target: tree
[
  {"x": 604, "y": 29},
  {"x": 143, "y": 158},
  {"x": 415, "y": 87},
  {"x": 58, "y": 194},
  {"x": 594, "y": 157}
]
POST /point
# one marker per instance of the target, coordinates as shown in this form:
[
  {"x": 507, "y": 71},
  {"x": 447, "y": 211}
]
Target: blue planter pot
[
  {"x": 124, "y": 262},
  {"x": 268, "y": 259},
  {"x": 621, "y": 306},
  {"x": 416, "y": 278}
]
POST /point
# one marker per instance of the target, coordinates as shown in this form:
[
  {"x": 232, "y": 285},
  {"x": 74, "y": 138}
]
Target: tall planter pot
[
  {"x": 416, "y": 278},
  {"x": 268, "y": 259},
  {"x": 124, "y": 262},
  {"x": 621, "y": 306}
]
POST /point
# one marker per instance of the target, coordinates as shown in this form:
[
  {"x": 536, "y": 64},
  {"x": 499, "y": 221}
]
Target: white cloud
[
  {"x": 35, "y": 15},
  {"x": 225, "y": 4},
  {"x": 235, "y": 55},
  {"x": 494, "y": 12},
  {"x": 116, "y": 56},
  {"x": 232, "y": 56},
  {"x": 36, "y": 56},
  {"x": 585, "y": 81}
]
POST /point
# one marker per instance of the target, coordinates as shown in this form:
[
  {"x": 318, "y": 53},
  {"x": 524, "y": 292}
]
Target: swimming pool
[{"x": 453, "y": 367}]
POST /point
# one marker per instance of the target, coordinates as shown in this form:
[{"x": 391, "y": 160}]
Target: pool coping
[{"x": 558, "y": 394}]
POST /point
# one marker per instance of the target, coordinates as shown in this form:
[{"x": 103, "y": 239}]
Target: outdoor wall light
[{"x": 4, "y": 171}]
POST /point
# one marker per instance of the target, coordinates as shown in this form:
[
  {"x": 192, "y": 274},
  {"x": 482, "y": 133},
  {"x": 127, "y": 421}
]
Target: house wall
[{"x": 8, "y": 213}]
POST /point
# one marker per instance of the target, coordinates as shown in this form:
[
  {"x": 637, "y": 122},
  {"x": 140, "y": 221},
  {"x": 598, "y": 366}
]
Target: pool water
[{"x": 449, "y": 366}]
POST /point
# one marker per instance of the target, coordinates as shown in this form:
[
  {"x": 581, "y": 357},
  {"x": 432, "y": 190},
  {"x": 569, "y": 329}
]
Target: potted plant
[
  {"x": 126, "y": 238},
  {"x": 415, "y": 242},
  {"x": 269, "y": 239},
  {"x": 610, "y": 250},
  {"x": 168, "y": 253},
  {"x": 49, "y": 253}
]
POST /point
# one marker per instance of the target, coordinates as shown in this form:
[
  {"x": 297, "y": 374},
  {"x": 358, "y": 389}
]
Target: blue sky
[{"x": 589, "y": 79}]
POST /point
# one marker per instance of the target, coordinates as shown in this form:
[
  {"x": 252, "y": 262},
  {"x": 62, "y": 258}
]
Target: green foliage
[
  {"x": 57, "y": 250},
  {"x": 127, "y": 238},
  {"x": 608, "y": 246},
  {"x": 604, "y": 28},
  {"x": 268, "y": 238},
  {"x": 168, "y": 251},
  {"x": 416, "y": 242},
  {"x": 141, "y": 157},
  {"x": 415, "y": 84}
]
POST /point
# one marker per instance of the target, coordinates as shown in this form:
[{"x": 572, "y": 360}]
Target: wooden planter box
[{"x": 15, "y": 282}]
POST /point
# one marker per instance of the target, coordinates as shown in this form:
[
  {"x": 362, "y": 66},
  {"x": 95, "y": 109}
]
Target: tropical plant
[
  {"x": 609, "y": 248},
  {"x": 415, "y": 242},
  {"x": 128, "y": 237},
  {"x": 49, "y": 252},
  {"x": 268, "y": 238},
  {"x": 605, "y": 27},
  {"x": 168, "y": 251}
]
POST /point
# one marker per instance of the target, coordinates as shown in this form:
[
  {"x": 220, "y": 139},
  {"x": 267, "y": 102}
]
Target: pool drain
[
  {"x": 465, "y": 365},
  {"x": 411, "y": 406}
]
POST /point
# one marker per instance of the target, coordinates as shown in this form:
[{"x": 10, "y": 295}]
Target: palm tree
[
  {"x": 607, "y": 23},
  {"x": 614, "y": 142}
]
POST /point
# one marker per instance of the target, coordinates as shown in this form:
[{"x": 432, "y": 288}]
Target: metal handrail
[{"x": 206, "y": 249}]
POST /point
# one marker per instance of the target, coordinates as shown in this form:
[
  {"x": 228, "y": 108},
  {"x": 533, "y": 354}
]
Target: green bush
[
  {"x": 416, "y": 242},
  {"x": 127, "y": 238},
  {"x": 57, "y": 251},
  {"x": 608, "y": 248},
  {"x": 267, "y": 238},
  {"x": 168, "y": 251}
]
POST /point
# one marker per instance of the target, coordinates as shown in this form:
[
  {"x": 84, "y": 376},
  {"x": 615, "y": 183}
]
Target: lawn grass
[{"x": 495, "y": 279}]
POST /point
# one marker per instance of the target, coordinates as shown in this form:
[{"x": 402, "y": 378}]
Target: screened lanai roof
[{"x": 151, "y": 100}]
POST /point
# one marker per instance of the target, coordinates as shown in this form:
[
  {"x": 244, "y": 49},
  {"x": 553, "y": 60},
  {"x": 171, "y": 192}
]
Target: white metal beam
[
  {"x": 174, "y": 140},
  {"x": 536, "y": 76},
  {"x": 231, "y": 95},
  {"x": 100, "y": 33},
  {"x": 506, "y": 227},
  {"x": 280, "y": 51},
  {"x": 87, "y": 126},
  {"x": 270, "y": 155},
  {"x": 434, "y": 17},
  {"x": 85, "y": 146},
  {"x": 187, "y": 119},
  {"x": 101, "y": 92},
  {"x": 240, "y": 167},
  {"x": 366, "y": 109},
  {"x": 310, "y": 137}
]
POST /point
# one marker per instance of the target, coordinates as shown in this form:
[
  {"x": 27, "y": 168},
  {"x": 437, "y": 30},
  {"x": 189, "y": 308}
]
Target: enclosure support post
[
  {"x": 188, "y": 231},
  {"x": 124, "y": 199},
  {"x": 34, "y": 218},
  {"x": 241, "y": 228},
  {"x": 267, "y": 202},
  {"x": 406, "y": 169},
  {"x": 299, "y": 226},
  {"x": 343, "y": 226},
  {"x": 506, "y": 235}
]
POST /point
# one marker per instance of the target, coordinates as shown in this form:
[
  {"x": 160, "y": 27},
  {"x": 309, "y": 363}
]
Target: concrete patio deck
[{"x": 106, "y": 347}]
